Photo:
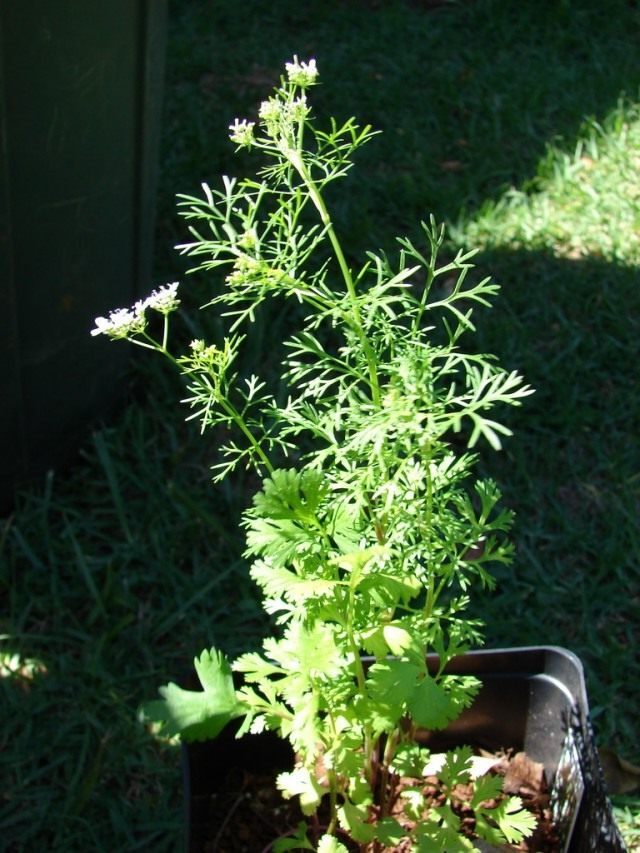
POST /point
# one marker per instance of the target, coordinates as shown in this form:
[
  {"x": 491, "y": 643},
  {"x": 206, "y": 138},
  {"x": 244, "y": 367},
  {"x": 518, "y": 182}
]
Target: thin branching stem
[{"x": 298, "y": 163}]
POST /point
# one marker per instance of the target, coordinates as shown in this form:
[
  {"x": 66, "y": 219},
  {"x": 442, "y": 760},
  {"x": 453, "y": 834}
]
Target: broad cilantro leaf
[
  {"x": 392, "y": 681},
  {"x": 461, "y": 690},
  {"x": 389, "y": 832},
  {"x": 372, "y": 641},
  {"x": 298, "y": 841},
  {"x": 386, "y": 589},
  {"x": 381, "y": 716},
  {"x": 430, "y": 705},
  {"x": 429, "y": 843},
  {"x": 344, "y": 757},
  {"x": 485, "y": 788},
  {"x": 198, "y": 715},
  {"x": 341, "y": 526},
  {"x": 410, "y": 759},
  {"x": 330, "y": 844},
  {"x": 262, "y": 710},
  {"x": 280, "y": 539},
  {"x": 398, "y": 639},
  {"x": 278, "y": 581},
  {"x": 307, "y": 652},
  {"x": 353, "y": 819},
  {"x": 360, "y": 791},
  {"x": 306, "y": 734},
  {"x": 515, "y": 822},
  {"x": 282, "y": 523},
  {"x": 487, "y": 830},
  {"x": 355, "y": 562},
  {"x": 288, "y": 493},
  {"x": 255, "y": 667},
  {"x": 431, "y": 838},
  {"x": 301, "y": 783}
]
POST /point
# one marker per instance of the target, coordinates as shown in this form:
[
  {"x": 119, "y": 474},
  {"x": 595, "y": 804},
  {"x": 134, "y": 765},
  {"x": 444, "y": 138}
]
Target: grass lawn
[{"x": 519, "y": 126}]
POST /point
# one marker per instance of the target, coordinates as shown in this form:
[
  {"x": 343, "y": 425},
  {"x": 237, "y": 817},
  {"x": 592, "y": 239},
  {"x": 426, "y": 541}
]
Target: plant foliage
[{"x": 369, "y": 529}]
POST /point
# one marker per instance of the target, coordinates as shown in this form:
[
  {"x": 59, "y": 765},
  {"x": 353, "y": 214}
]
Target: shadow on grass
[
  {"x": 571, "y": 471},
  {"x": 112, "y": 580},
  {"x": 68, "y": 781}
]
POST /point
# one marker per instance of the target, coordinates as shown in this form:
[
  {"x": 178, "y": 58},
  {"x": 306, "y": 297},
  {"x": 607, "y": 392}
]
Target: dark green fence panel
[{"x": 80, "y": 111}]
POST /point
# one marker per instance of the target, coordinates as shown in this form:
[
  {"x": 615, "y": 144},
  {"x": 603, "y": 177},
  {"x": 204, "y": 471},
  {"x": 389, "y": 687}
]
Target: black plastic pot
[{"x": 531, "y": 699}]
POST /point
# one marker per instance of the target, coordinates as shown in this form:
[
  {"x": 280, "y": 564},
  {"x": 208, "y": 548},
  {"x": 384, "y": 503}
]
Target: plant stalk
[{"x": 297, "y": 162}]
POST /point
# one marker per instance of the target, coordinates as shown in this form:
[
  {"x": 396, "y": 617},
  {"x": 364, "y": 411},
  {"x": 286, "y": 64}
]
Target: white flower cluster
[
  {"x": 270, "y": 111},
  {"x": 242, "y": 132},
  {"x": 121, "y": 323},
  {"x": 278, "y": 113},
  {"x": 299, "y": 109},
  {"x": 124, "y": 322},
  {"x": 280, "y": 117},
  {"x": 164, "y": 299},
  {"x": 302, "y": 74}
]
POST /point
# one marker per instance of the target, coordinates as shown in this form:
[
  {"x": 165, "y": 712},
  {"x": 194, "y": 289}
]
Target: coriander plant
[{"x": 369, "y": 529}]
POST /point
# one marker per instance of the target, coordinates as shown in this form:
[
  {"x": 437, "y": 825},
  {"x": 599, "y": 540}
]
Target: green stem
[
  {"x": 237, "y": 418},
  {"x": 333, "y": 803},
  {"x": 431, "y": 598},
  {"x": 165, "y": 333},
  {"x": 316, "y": 197},
  {"x": 228, "y": 407},
  {"x": 360, "y": 678},
  {"x": 333, "y": 783},
  {"x": 389, "y": 753}
]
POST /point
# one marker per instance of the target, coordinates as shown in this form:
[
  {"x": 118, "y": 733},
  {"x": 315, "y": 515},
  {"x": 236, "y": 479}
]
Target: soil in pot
[
  {"x": 247, "y": 812},
  {"x": 540, "y": 692}
]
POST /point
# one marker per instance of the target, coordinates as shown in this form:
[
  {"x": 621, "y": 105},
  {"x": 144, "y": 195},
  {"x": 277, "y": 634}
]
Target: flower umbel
[
  {"x": 299, "y": 108},
  {"x": 122, "y": 323},
  {"x": 126, "y": 322},
  {"x": 164, "y": 299},
  {"x": 302, "y": 74},
  {"x": 242, "y": 132}
]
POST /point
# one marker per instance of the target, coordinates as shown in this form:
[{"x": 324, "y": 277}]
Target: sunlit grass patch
[{"x": 585, "y": 203}]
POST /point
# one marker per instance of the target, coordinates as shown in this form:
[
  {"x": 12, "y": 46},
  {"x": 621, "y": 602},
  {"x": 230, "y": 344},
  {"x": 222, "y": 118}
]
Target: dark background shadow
[{"x": 571, "y": 469}]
